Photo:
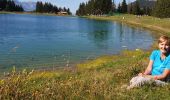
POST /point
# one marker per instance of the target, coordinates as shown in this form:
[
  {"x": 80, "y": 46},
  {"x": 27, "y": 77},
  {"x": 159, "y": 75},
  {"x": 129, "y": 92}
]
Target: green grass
[
  {"x": 152, "y": 23},
  {"x": 98, "y": 79}
]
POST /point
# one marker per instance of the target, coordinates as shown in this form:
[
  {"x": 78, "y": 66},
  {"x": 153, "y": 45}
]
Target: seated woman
[{"x": 159, "y": 65}]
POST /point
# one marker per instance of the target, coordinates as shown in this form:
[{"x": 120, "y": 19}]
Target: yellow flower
[{"x": 1, "y": 81}]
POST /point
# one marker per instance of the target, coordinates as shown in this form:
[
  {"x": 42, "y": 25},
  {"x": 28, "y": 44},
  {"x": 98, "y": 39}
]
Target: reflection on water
[{"x": 49, "y": 41}]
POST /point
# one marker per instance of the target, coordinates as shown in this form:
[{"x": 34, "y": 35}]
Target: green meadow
[{"x": 102, "y": 78}]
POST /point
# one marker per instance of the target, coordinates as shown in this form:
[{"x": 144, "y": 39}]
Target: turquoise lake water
[{"x": 38, "y": 41}]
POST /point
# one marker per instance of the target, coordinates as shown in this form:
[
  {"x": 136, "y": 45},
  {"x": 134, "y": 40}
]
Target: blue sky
[{"x": 72, "y": 4}]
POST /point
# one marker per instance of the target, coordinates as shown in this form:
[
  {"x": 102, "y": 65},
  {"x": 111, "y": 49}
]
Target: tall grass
[{"x": 98, "y": 79}]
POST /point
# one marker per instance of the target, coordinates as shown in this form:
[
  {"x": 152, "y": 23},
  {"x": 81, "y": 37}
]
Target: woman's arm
[
  {"x": 148, "y": 69},
  {"x": 162, "y": 76}
]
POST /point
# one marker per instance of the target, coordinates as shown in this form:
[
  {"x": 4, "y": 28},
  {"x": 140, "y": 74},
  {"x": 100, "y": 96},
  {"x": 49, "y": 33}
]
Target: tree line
[
  {"x": 160, "y": 8},
  {"x": 134, "y": 8},
  {"x": 49, "y": 8},
  {"x": 96, "y": 7},
  {"x": 9, "y": 5}
]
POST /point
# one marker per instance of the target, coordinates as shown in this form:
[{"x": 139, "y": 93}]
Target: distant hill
[
  {"x": 27, "y": 6},
  {"x": 146, "y": 3}
]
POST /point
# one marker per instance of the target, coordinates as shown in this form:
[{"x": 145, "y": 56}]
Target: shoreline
[
  {"x": 118, "y": 18},
  {"x": 124, "y": 18},
  {"x": 33, "y": 13}
]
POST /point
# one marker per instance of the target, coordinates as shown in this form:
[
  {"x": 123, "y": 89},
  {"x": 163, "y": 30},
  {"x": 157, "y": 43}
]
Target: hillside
[
  {"x": 27, "y": 6},
  {"x": 146, "y": 3}
]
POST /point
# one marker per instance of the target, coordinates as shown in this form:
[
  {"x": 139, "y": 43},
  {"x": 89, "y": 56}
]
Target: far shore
[
  {"x": 34, "y": 13},
  {"x": 152, "y": 23}
]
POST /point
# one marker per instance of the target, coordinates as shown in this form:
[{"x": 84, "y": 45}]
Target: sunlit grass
[{"x": 101, "y": 78}]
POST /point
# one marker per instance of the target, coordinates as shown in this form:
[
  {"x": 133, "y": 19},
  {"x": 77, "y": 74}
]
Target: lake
[{"x": 39, "y": 41}]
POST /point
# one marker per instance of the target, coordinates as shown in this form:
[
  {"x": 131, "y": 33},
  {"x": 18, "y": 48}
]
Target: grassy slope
[
  {"x": 98, "y": 79},
  {"x": 152, "y": 23}
]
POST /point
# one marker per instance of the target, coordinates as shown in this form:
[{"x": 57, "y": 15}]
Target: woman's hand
[
  {"x": 140, "y": 74},
  {"x": 144, "y": 75},
  {"x": 148, "y": 76}
]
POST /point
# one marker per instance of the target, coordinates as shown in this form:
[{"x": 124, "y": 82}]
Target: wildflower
[
  {"x": 1, "y": 81},
  {"x": 137, "y": 49}
]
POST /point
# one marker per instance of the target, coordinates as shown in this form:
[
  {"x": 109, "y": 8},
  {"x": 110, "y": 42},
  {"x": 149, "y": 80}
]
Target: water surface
[{"x": 38, "y": 41}]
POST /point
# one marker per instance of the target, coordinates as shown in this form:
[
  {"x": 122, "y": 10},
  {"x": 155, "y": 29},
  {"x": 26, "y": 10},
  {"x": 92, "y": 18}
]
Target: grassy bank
[
  {"x": 156, "y": 24},
  {"x": 102, "y": 78}
]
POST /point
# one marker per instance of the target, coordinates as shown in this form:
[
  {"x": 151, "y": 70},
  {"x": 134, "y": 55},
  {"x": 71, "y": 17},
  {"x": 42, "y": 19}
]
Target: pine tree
[
  {"x": 130, "y": 7},
  {"x": 59, "y": 9},
  {"x": 3, "y": 4},
  {"x": 124, "y": 7},
  {"x": 95, "y": 7},
  {"x": 106, "y": 6},
  {"x": 136, "y": 9},
  {"x": 147, "y": 11},
  {"x": 46, "y": 7},
  {"x": 99, "y": 7},
  {"x": 68, "y": 11},
  {"x": 9, "y": 5},
  {"x": 113, "y": 6},
  {"x": 109, "y": 6},
  {"x": 39, "y": 7},
  {"x": 49, "y": 8},
  {"x": 55, "y": 9},
  {"x": 119, "y": 9},
  {"x": 162, "y": 9}
]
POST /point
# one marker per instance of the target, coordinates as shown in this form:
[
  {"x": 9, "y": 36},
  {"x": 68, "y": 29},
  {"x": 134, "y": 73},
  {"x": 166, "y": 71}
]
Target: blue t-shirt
[{"x": 159, "y": 65}]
